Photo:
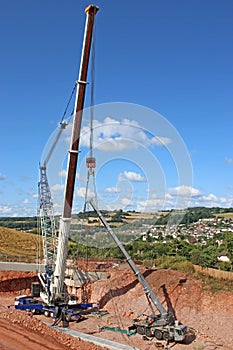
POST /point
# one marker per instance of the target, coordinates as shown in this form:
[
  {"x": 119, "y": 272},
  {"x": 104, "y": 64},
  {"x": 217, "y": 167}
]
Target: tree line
[{"x": 202, "y": 255}]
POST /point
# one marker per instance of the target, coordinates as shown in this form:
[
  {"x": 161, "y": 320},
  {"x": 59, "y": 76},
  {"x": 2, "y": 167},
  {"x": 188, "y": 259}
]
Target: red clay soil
[
  {"x": 19, "y": 282},
  {"x": 209, "y": 314},
  {"x": 20, "y": 331},
  {"x": 24, "y": 332}
]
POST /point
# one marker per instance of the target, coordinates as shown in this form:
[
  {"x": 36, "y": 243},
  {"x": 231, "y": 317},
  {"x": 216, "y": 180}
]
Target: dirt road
[{"x": 20, "y": 331}]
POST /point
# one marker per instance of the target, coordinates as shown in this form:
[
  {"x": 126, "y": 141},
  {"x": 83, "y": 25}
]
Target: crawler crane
[{"x": 55, "y": 248}]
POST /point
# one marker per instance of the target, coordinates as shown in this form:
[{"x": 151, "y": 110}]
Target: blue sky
[{"x": 171, "y": 57}]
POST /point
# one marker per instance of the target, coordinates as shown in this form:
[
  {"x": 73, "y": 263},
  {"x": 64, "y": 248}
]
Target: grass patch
[
  {"x": 174, "y": 263},
  {"x": 15, "y": 245},
  {"x": 199, "y": 347},
  {"x": 224, "y": 215},
  {"x": 215, "y": 284}
]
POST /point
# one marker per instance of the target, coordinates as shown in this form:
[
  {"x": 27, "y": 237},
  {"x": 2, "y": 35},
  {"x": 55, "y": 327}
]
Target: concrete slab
[
  {"x": 112, "y": 345},
  {"x": 20, "y": 266}
]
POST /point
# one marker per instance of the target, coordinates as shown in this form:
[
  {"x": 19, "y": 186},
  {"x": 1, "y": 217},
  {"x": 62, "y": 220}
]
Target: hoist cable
[
  {"x": 68, "y": 103},
  {"x": 91, "y": 170},
  {"x": 92, "y": 93},
  {"x": 63, "y": 125}
]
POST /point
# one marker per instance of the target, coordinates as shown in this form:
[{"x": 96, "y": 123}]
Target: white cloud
[
  {"x": 229, "y": 160},
  {"x": 25, "y": 201},
  {"x": 116, "y": 145},
  {"x": 4, "y": 209},
  {"x": 131, "y": 176},
  {"x": 224, "y": 200},
  {"x": 62, "y": 173},
  {"x": 168, "y": 196},
  {"x": 81, "y": 191},
  {"x": 126, "y": 201},
  {"x": 151, "y": 204},
  {"x": 184, "y": 191},
  {"x": 113, "y": 135},
  {"x": 57, "y": 187},
  {"x": 2, "y": 177},
  {"x": 21, "y": 209},
  {"x": 177, "y": 198},
  {"x": 161, "y": 141},
  {"x": 209, "y": 198},
  {"x": 112, "y": 190}
]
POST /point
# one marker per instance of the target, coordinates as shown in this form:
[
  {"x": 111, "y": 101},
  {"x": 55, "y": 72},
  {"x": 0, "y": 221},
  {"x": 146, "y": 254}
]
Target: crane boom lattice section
[{"x": 48, "y": 226}]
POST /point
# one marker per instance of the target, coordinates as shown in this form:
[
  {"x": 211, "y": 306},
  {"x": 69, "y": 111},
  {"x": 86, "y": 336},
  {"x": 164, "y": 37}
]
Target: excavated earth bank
[{"x": 209, "y": 314}]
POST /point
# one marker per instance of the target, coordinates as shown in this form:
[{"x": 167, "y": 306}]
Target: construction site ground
[{"x": 208, "y": 314}]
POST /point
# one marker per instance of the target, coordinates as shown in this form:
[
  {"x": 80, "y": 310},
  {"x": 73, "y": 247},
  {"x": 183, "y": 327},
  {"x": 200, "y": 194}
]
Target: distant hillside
[
  {"x": 191, "y": 215},
  {"x": 119, "y": 218},
  {"x": 19, "y": 223},
  {"x": 19, "y": 246}
]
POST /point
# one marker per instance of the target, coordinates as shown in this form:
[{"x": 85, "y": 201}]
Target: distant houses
[
  {"x": 223, "y": 256},
  {"x": 197, "y": 232}
]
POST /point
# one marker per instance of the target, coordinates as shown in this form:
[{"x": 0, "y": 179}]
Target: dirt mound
[
  {"x": 12, "y": 282},
  {"x": 208, "y": 313},
  {"x": 33, "y": 334}
]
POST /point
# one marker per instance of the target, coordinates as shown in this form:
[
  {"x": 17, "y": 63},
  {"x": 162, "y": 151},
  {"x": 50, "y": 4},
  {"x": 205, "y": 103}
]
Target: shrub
[{"x": 175, "y": 263}]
